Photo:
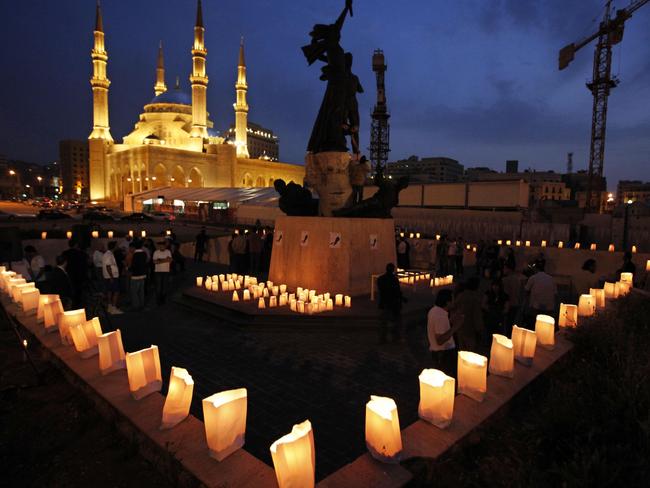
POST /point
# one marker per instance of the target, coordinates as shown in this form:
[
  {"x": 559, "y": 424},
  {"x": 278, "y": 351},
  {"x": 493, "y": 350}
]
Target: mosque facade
[{"x": 174, "y": 142}]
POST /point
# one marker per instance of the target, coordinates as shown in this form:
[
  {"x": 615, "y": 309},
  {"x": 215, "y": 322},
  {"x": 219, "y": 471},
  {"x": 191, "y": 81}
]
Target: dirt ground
[{"x": 50, "y": 434}]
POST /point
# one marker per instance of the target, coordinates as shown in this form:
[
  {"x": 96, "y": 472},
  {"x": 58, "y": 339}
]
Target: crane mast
[
  {"x": 379, "y": 128},
  {"x": 609, "y": 33}
]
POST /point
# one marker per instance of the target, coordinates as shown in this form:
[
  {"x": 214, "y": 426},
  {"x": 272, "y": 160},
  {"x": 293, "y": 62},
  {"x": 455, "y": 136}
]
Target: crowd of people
[
  {"x": 126, "y": 272},
  {"x": 490, "y": 301},
  {"x": 249, "y": 252}
]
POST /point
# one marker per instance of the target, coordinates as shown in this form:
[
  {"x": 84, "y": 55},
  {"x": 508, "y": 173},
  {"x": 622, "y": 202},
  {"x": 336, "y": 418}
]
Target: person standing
[
  {"x": 239, "y": 251},
  {"x": 162, "y": 259},
  {"x": 359, "y": 173},
  {"x": 255, "y": 246},
  {"x": 200, "y": 245},
  {"x": 97, "y": 261},
  {"x": 58, "y": 282},
  {"x": 495, "y": 308},
  {"x": 403, "y": 253},
  {"x": 466, "y": 310},
  {"x": 543, "y": 290},
  {"x": 441, "y": 334},
  {"x": 390, "y": 305},
  {"x": 77, "y": 268},
  {"x": 111, "y": 279},
  {"x": 138, "y": 267}
]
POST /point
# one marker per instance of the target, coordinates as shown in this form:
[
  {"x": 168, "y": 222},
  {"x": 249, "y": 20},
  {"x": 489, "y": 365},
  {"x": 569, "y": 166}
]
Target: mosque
[{"x": 174, "y": 143}]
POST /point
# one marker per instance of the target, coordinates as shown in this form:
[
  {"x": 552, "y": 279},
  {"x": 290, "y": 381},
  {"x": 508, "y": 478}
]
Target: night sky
[{"x": 475, "y": 80}]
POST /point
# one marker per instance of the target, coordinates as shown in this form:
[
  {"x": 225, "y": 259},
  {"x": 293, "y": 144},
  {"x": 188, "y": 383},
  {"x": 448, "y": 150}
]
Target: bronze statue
[
  {"x": 295, "y": 200},
  {"x": 339, "y": 114}
]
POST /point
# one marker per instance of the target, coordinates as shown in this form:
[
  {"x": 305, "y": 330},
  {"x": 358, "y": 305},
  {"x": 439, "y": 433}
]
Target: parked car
[
  {"x": 96, "y": 216},
  {"x": 52, "y": 215},
  {"x": 6, "y": 216},
  {"x": 138, "y": 217},
  {"x": 163, "y": 216}
]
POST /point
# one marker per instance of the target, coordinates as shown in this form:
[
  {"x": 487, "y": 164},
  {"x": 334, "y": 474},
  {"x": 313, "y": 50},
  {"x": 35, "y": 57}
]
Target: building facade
[
  {"x": 635, "y": 190},
  {"x": 73, "y": 160},
  {"x": 261, "y": 142},
  {"x": 174, "y": 142},
  {"x": 426, "y": 170}
]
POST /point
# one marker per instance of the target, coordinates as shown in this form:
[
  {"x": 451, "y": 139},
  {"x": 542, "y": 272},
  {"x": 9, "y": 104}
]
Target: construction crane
[
  {"x": 379, "y": 128},
  {"x": 609, "y": 33}
]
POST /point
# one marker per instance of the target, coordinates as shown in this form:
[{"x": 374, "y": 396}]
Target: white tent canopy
[{"x": 259, "y": 197}]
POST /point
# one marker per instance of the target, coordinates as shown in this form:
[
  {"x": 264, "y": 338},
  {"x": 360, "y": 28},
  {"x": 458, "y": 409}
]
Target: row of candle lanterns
[
  {"x": 224, "y": 412},
  {"x": 95, "y": 234},
  {"x": 560, "y": 245},
  {"x": 304, "y": 300},
  {"x": 441, "y": 281}
]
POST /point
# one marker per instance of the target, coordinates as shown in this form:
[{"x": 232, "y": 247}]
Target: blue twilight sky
[{"x": 475, "y": 80}]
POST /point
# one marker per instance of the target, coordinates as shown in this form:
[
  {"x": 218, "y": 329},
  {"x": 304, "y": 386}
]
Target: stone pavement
[{"x": 324, "y": 376}]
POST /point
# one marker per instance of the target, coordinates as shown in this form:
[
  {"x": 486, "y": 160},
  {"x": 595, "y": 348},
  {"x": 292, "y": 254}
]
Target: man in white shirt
[
  {"x": 162, "y": 259},
  {"x": 542, "y": 289},
  {"x": 440, "y": 334},
  {"x": 97, "y": 261},
  {"x": 111, "y": 279},
  {"x": 35, "y": 265}
]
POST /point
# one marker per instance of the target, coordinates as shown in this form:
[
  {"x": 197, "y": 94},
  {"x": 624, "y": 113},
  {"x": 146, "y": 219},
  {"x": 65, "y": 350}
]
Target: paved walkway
[{"x": 323, "y": 376}]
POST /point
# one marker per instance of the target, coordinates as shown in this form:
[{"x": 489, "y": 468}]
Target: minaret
[
  {"x": 160, "y": 86},
  {"x": 199, "y": 80},
  {"x": 100, "y": 82},
  {"x": 241, "y": 107}
]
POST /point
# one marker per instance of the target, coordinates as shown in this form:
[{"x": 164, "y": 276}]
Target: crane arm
[{"x": 615, "y": 26}]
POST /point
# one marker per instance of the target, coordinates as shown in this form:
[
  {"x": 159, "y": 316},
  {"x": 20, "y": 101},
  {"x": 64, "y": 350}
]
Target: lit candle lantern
[
  {"x": 500, "y": 242},
  {"x": 224, "y": 416},
  {"x": 29, "y": 300},
  {"x": 568, "y": 316},
  {"x": 586, "y": 305},
  {"x": 627, "y": 278},
  {"x": 69, "y": 234},
  {"x": 322, "y": 306},
  {"x": 560, "y": 245},
  {"x": 437, "y": 237},
  {"x": 168, "y": 232},
  {"x": 348, "y": 301},
  {"x": 472, "y": 375},
  {"x": 222, "y": 277},
  {"x": 508, "y": 242},
  {"x": 110, "y": 234},
  {"x": 633, "y": 249},
  {"x": 19, "y": 280},
  {"x": 543, "y": 243},
  {"x": 338, "y": 299},
  {"x": 66, "y": 320},
  {"x": 283, "y": 288},
  {"x": 111, "y": 352},
  {"x": 143, "y": 234},
  {"x": 518, "y": 243},
  {"x": 299, "y": 291},
  {"x": 215, "y": 286},
  {"x": 623, "y": 288},
  {"x": 599, "y": 296},
  {"x": 647, "y": 265},
  {"x": 437, "y": 392},
  {"x": 383, "y": 436},
  {"x": 84, "y": 337},
  {"x": 527, "y": 243},
  {"x": 610, "y": 290},
  {"x": 95, "y": 234},
  {"x": 592, "y": 247},
  {"x": 275, "y": 290},
  {"x": 265, "y": 293},
  {"x": 199, "y": 281},
  {"x": 231, "y": 284},
  {"x": 237, "y": 285},
  {"x": 474, "y": 249},
  {"x": 294, "y": 457},
  {"x": 300, "y": 306},
  {"x": 329, "y": 304},
  {"x": 611, "y": 248},
  {"x": 617, "y": 289},
  {"x": 208, "y": 283},
  {"x": 247, "y": 295},
  {"x": 17, "y": 291},
  {"x": 411, "y": 235},
  {"x": 269, "y": 284},
  {"x": 178, "y": 399},
  {"x": 283, "y": 300},
  {"x": 261, "y": 303},
  {"x": 524, "y": 342},
  {"x": 545, "y": 331},
  {"x": 293, "y": 305},
  {"x": 130, "y": 233},
  {"x": 235, "y": 296},
  {"x": 417, "y": 235},
  {"x": 312, "y": 294},
  {"x": 143, "y": 371},
  {"x": 43, "y": 235},
  {"x": 51, "y": 310},
  {"x": 576, "y": 245},
  {"x": 502, "y": 356},
  {"x": 273, "y": 302},
  {"x": 309, "y": 308}
]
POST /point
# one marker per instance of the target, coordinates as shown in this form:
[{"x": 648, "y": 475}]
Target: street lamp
[{"x": 625, "y": 220}]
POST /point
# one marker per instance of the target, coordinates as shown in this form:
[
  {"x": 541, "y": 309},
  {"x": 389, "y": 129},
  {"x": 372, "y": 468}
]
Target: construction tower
[{"x": 379, "y": 128}]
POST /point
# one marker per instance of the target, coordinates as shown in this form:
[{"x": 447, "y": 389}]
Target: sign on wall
[
  {"x": 335, "y": 240},
  {"x": 304, "y": 238},
  {"x": 374, "y": 242}
]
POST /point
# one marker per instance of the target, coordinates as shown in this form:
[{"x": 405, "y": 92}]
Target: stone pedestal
[
  {"x": 336, "y": 255},
  {"x": 328, "y": 173}
]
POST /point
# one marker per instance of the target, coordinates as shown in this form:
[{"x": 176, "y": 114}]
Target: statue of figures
[{"x": 333, "y": 121}]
